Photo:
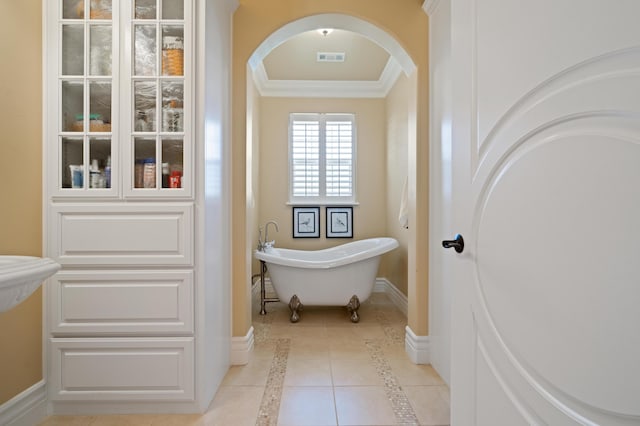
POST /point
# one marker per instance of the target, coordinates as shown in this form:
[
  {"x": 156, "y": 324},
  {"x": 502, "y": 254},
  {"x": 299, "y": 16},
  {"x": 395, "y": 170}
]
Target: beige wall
[
  {"x": 397, "y": 157},
  {"x": 369, "y": 216},
  {"x": 21, "y": 185},
  {"x": 404, "y": 20}
]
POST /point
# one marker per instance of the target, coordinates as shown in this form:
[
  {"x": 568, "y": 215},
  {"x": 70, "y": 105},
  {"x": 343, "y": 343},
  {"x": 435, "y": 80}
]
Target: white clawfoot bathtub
[{"x": 326, "y": 277}]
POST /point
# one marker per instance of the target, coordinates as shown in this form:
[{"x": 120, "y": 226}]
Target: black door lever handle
[{"x": 457, "y": 244}]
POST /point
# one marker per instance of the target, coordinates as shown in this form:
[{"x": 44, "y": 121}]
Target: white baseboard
[
  {"x": 417, "y": 347},
  {"x": 383, "y": 285},
  {"x": 27, "y": 408},
  {"x": 92, "y": 408},
  {"x": 241, "y": 348}
]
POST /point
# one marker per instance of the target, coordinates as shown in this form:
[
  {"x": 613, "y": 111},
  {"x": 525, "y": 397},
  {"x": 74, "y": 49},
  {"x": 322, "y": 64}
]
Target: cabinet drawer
[
  {"x": 123, "y": 234},
  {"x": 122, "y": 369},
  {"x": 122, "y": 302}
]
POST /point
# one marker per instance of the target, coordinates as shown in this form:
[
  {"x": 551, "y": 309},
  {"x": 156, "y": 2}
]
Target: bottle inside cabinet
[
  {"x": 74, "y": 174},
  {"x": 158, "y": 171},
  {"x": 100, "y": 163},
  {"x": 172, "y": 50},
  {"x": 145, "y": 163},
  {"x": 173, "y": 157},
  {"x": 72, "y": 168}
]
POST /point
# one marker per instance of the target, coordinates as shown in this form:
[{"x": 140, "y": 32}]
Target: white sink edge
[{"x": 20, "y": 276}]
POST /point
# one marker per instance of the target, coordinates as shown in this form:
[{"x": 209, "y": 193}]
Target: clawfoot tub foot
[
  {"x": 295, "y": 305},
  {"x": 352, "y": 307}
]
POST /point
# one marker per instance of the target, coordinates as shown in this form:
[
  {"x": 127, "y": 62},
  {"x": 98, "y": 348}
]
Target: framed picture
[
  {"x": 306, "y": 222},
  {"x": 339, "y": 222}
]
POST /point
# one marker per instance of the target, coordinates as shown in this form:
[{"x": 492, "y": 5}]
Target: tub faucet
[
  {"x": 268, "y": 243},
  {"x": 263, "y": 245}
]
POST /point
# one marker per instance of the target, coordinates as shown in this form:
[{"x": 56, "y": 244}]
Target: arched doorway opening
[{"x": 414, "y": 66}]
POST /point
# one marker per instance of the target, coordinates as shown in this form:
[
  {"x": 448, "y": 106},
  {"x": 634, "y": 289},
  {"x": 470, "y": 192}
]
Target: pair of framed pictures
[{"x": 306, "y": 222}]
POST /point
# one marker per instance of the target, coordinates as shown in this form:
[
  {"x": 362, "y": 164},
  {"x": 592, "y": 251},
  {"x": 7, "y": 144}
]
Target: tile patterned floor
[{"x": 321, "y": 371}]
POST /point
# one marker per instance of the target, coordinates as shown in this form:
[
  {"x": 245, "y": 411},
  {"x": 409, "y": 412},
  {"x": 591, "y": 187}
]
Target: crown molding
[
  {"x": 430, "y": 6},
  {"x": 390, "y": 75},
  {"x": 327, "y": 88},
  {"x": 260, "y": 77}
]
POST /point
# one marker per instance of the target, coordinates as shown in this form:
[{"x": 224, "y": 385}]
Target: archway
[
  {"x": 402, "y": 30},
  {"x": 336, "y": 21}
]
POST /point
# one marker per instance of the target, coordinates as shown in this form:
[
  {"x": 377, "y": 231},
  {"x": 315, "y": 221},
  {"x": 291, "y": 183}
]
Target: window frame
[{"x": 322, "y": 198}]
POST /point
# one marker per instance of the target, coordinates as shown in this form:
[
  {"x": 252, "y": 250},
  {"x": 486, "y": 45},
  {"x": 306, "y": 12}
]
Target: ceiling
[{"x": 292, "y": 68}]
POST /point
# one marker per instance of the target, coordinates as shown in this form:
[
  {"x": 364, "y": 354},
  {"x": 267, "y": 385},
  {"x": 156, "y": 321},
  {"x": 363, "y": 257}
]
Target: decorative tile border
[
  {"x": 262, "y": 327},
  {"x": 400, "y": 404},
  {"x": 392, "y": 334},
  {"x": 270, "y": 405}
]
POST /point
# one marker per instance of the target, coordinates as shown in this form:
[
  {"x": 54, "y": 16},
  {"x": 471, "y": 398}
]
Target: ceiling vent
[{"x": 330, "y": 57}]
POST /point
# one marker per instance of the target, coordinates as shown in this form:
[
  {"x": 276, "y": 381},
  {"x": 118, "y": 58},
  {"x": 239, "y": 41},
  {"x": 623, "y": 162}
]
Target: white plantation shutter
[
  {"x": 322, "y": 157},
  {"x": 305, "y": 158},
  {"x": 339, "y": 158}
]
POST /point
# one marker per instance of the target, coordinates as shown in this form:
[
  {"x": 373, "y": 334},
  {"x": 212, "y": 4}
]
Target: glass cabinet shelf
[{"x": 123, "y": 88}]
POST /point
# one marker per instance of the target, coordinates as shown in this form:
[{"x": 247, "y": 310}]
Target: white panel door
[{"x": 546, "y": 176}]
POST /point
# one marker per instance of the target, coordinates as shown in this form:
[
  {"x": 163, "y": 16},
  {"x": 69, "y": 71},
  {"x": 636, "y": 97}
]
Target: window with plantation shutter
[{"x": 322, "y": 158}]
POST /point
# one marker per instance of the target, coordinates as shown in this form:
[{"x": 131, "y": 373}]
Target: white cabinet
[
  {"x": 120, "y": 200},
  {"x": 122, "y": 369},
  {"x": 117, "y": 234},
  {"x": 126, "y": 303}
]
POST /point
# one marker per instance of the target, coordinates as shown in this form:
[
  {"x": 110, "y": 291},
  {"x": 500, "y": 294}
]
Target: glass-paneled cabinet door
[
  {"x": 159, "y": 158},
  {"x": 87, "y": 91}
]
